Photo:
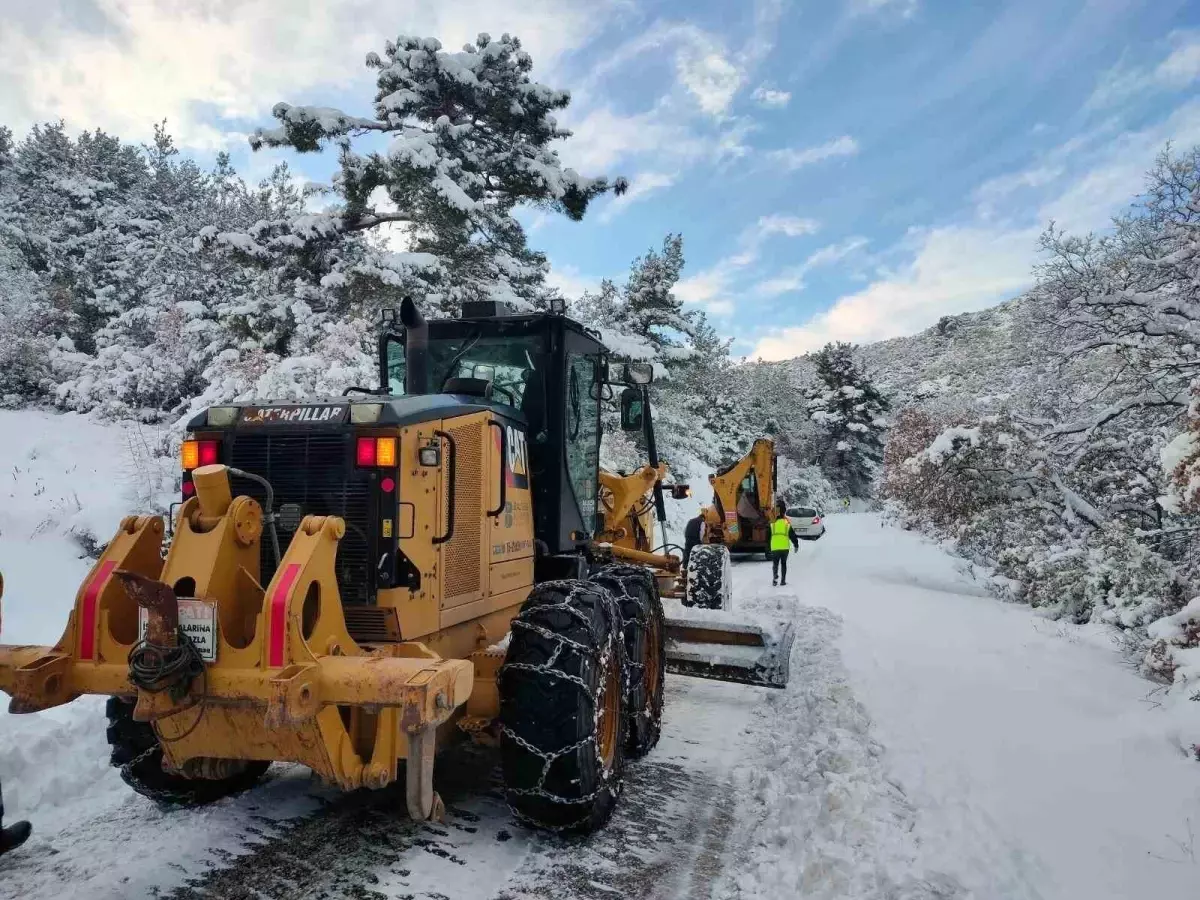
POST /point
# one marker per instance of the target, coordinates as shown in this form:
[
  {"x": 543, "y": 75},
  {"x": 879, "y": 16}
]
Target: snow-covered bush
[
  {"x": 1174, "y": 649},
  {"x": 806, "y": 486}
]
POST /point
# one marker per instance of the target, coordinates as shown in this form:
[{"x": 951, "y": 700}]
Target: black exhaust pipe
[{"x": 416, "y": 348}]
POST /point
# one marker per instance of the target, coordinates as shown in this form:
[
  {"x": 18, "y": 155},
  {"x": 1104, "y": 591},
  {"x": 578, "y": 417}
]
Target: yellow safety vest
[{"x": 779, "y": 533}]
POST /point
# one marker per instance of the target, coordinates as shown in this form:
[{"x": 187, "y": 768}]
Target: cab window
[
  {"x": 583, "y": 432},
  {"x": 510, "y": 363}
]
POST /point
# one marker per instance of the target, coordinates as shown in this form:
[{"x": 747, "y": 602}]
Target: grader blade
[{"x": 724, "y": 651}]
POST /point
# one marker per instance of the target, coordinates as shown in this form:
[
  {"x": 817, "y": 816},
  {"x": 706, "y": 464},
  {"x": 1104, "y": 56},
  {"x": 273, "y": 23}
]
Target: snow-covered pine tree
[
  {"x": 149, "y": 357},
  {"x": 849, "y": 409},
  {"x": 652, "y": 311},
  {"x": 470, "y": 138}
]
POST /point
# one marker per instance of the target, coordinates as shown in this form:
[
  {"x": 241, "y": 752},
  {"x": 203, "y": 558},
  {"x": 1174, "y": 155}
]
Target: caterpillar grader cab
[
  {"x": 351, "y": 582},
  {"x": 743, "y": 506}
]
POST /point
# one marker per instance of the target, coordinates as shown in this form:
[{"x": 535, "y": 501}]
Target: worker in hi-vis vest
[
  {"x": 18, "y": 833},
  {"x": 782, "y": 533}
]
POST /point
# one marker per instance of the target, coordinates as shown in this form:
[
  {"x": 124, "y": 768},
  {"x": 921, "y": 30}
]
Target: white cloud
[
  {"x": 995, "y": 190},
  {"x": 955, "y": 269},
  {"x": 703, "y": 67},
  {"x": 791, "y": 226},
  {"x": 796, "y": 157},
  {"x": 1182, "y": 67},
  {"x": 130, "y": 63},
  {"x": 570, "y": 282},
  {"x": 1117, "y": 172},
  {"x": 904, "y": 8},
  {"x": 771, "y": 98},
  {"x": 791, "y": 280},
  {"x": 780, "y": 284},
  {"x": 640, "y": 187},
  {"x": 604, "y": 138},
  {"x": 708, "y": 288},
  {"x": 968, "y": 266},
  {"x": 731, "y": 142},
  {"x": 1179, "y": 69}
]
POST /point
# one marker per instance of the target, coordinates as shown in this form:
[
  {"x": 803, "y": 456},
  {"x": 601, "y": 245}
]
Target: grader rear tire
[
  {"x": 709, "y": 577},
  {"x": 137, "y": 753},
  {"x": 562, "y": 721},
  {"x": 644, "y": 628}
]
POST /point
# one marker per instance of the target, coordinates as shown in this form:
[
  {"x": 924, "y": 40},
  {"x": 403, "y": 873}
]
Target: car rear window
[{"x": 801, "y": 511}]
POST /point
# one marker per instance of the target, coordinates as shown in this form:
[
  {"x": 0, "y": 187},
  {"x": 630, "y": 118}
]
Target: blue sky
[{"x": 840, "y": 169}]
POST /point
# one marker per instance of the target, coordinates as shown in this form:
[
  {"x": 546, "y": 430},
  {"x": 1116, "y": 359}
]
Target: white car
[{"x": 808, "y": 523}]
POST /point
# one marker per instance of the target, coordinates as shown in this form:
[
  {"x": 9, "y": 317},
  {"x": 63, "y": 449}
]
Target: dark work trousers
[
  {"x": 779, "y": 565},
  {"x": 691, "y": 537}
]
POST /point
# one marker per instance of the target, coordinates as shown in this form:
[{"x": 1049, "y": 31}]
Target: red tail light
[
  {"x": 376, "y": 451},
  {"x": 193, "y": 454},
  {"x": 366, "y": 451},
  {"x": 210, "y": 452},
  {"x": 816, "y": 520}
]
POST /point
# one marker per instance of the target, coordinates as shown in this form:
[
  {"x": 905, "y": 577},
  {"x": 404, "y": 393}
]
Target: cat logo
[{"x": 516, "y": 469}]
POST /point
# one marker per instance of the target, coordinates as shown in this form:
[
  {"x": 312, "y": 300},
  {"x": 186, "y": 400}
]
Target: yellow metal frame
[
  {"x": 625, "y": 501},
  {"x": 289, "y": 682},
  {"x": 725, "y": 529}
]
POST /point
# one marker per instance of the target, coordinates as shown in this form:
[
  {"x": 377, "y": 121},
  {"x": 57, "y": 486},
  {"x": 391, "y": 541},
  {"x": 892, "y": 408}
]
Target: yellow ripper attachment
[{"x": 279, "y": 677}]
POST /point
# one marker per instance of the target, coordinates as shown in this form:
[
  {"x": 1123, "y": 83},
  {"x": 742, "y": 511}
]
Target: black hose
[
  {"x": 268, "y": 511},
  {"x": 154, "y": 669}
]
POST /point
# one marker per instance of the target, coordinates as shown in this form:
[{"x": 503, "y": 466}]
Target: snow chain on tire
[
  {"x": 642, "y": 624},
  {"x": 137, "y": 753},
  {"x": 709, "y": 579},
  {"x": 564, "y": 645}
]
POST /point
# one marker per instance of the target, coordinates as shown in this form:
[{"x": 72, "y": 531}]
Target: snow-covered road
[
  {"x": 933, "y": 743},
  {"x": 1040, "y": 761}
]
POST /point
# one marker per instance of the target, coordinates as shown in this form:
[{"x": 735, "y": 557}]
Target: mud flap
[{"x": 724, "y": 651}]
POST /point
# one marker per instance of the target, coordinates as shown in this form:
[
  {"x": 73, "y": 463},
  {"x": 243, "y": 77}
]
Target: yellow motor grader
[{"x": 351, "y": 582}]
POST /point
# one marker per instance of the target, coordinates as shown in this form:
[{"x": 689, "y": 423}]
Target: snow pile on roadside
[
  {"x": 820, "y": 820},
  {"x": 67, "y": 483}
]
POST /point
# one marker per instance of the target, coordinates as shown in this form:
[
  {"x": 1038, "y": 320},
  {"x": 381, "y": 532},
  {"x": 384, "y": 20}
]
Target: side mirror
[
  {"x": 639, "y": 372},
  {"x": 483, "y": 372},
  {"x": 633, "y": 410},
  {"x": 680, "y": 491}
]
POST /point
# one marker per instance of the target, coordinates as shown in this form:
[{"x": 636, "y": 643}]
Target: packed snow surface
[{"x": 932, "y": 743}]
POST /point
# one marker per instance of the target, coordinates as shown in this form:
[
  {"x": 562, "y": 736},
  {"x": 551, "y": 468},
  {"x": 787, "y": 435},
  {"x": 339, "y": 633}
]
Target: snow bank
[
  {"x": 67, "y": 483},
  {"x": 825, "y": 822}
]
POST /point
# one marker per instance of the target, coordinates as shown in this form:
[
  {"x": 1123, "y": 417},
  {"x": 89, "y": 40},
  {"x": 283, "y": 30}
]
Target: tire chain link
[{"x": 548, "y": 757}]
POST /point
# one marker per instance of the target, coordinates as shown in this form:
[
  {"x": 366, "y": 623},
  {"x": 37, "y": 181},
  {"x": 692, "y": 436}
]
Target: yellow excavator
[
  {"x": 743, "y": 506},
  {"x": 352, "y": 582}
]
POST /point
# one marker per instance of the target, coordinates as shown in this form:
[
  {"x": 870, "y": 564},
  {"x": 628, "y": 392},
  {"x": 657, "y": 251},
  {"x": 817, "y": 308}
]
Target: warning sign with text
[{"x": 198, "y": 620}]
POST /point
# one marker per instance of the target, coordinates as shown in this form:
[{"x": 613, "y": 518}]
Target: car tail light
[{"x": 816, "y": 520}]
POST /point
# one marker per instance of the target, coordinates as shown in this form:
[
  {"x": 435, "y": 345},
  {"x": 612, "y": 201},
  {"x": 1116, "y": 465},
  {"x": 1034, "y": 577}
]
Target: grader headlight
[{"x": 222, "y": 416}]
